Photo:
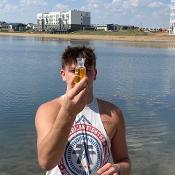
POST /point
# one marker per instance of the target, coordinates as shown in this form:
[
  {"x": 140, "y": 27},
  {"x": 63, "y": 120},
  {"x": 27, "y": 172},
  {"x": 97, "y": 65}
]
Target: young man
[{"x": 78, "y": 134}]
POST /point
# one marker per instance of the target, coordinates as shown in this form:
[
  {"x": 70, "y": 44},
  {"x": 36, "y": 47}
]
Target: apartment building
[{"x": 63, "y": 21}]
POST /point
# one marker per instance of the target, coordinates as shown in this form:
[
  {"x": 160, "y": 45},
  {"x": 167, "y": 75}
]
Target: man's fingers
[
  {"x": 78, "y": 88},
  {"x": 110, "y": 171},
  {"x": 82, "y": 94},
  {"x": 107, "y": 169},
  {"x": 104, "y": 168}
]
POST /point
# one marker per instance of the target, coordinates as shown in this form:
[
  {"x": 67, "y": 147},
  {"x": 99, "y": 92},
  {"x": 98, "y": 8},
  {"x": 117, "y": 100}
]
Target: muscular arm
[
  {"x": 53, "y": 124},
  {"x": 52, "y": 135},
  {"x": 114, "y": 124},
  {"x": 119, "y": 147}
]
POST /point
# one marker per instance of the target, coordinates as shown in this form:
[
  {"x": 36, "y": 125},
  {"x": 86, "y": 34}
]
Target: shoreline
[{"x": 161, "y": 37}]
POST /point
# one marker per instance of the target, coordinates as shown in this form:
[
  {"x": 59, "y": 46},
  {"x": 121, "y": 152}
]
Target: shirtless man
[{"x": 78, "y": 134}]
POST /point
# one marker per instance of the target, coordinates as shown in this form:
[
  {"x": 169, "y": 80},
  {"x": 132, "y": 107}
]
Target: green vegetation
[
  {"x": 112, "y": 33},
  {"x": 93, "y": 32}
]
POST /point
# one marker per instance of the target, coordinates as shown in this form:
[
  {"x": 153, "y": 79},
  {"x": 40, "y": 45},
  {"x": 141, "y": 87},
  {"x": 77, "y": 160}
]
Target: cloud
[
  {"x": 125, "y": 3},
  {"x": 155, "y": 4},
  {"x": 61, "y": 7},
  {"x": 94, "y": 6},
  {"x": 134, "y": 3},
  {"x": 6, "y": 7},
  {"x": 110, "y": 12},
  {"x": 33, "y": 2},
  {"x": 128, "y": 12}
]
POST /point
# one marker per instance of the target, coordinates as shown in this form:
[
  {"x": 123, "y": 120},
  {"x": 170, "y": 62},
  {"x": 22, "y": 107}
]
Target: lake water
[{"x": 137, "y": 77}]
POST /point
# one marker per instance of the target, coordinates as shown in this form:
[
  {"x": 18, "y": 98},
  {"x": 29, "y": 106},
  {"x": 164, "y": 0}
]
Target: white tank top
[{"x": 88, "y": 147}]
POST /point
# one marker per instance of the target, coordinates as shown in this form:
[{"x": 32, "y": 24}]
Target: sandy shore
[{"x": 161, "y": 37}]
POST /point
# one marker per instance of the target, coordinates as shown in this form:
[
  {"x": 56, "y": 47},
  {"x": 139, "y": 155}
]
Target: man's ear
[
  {"x": 62, "y": 72},
  {"x": 95, "y": 74}
]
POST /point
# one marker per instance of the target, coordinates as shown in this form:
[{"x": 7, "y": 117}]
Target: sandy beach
[{"x": 159, "y": 37}]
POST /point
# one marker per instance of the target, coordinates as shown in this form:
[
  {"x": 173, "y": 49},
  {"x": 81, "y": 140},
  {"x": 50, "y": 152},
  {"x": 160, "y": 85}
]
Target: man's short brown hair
[{"x": 71, "y": 53}]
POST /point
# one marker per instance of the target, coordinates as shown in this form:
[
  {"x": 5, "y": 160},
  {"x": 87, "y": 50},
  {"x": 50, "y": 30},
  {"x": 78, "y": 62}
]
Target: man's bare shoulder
[
  {"x": 111, "y": 116},
  {"x": 52, "y": 104},
  {"x": 49, "y": 110},
  {"x": 108, "y": 107}
]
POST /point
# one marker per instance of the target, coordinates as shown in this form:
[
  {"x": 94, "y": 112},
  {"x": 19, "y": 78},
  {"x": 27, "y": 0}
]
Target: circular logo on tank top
[{"x": 87, "y": 150}]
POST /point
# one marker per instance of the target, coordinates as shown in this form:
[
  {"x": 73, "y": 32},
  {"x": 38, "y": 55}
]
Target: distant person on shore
[{"x": 77, "y": 133}]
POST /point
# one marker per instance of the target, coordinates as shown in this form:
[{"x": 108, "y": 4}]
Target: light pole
[{"x": 172, "y": 18}]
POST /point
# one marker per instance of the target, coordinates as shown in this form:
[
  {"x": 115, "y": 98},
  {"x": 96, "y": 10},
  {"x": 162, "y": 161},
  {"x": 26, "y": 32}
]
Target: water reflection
[
  {"x": 138, "y": 77},
  {"x": 153, "y": 44},
  {"x": 57, "y": 41},
  {"x": 171, "y": 46}
]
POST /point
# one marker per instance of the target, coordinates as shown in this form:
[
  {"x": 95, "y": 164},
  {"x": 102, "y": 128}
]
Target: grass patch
[{"x": 115, "y": 33}]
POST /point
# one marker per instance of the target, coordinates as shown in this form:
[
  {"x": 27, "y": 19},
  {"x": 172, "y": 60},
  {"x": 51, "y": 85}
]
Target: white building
[
  {"x": 107, "y": 27},
  {"x": 31, "y": 26},
  {"x": 172, "y": 18},
  {"x": 63, "y": 21}
]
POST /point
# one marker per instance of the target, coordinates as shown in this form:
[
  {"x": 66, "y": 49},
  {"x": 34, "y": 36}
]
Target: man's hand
[
  {"x": 109, "y": 169},
  {"x": 75, "y": 97}
]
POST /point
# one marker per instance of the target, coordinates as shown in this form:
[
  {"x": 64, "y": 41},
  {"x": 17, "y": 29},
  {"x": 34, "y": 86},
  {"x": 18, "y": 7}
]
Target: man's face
[{"x": 68, "y": 72}]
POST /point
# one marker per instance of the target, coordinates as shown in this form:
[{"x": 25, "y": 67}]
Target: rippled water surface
[{"x": 138, "y": 77}]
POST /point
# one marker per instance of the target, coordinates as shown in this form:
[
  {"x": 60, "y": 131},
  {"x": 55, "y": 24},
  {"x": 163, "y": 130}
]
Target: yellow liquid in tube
[{"x": 80, "y": 70}]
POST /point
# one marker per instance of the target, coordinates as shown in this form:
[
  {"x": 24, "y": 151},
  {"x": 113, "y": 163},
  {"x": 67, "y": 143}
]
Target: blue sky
[{"x": 143, "y": 13}]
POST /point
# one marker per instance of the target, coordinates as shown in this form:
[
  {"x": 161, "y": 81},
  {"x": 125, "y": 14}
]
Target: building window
[{"x": 63, "y": 16}]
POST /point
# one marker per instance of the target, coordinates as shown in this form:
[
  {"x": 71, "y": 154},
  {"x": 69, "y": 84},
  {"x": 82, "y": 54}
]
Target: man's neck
[{"x": 90, "y": 98}]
